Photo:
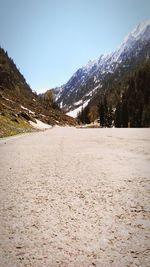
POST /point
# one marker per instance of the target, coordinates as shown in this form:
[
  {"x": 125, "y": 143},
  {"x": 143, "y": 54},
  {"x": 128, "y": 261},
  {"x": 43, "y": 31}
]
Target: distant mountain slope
[
  {"x": 123, "y": 102},
  {"x": 91, "y": 79},
  {"x": 19, "y": 104}
]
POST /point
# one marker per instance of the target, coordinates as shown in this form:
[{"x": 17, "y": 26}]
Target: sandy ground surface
[{"x": 75, "y": 197}]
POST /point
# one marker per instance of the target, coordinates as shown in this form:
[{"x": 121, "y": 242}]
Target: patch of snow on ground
[
  {"x": 61, "y": 104},
  {"x": 8, "y": 99},
  {"x": 30, "y": 111},
  {"x": 40, "y": 125}
]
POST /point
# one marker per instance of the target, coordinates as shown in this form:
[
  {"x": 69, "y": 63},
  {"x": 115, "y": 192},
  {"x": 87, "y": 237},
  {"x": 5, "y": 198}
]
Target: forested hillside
[{"x": 125, "y": 103}]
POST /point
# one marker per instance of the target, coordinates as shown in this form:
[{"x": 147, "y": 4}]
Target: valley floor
[{"x": 75, "y": 198}]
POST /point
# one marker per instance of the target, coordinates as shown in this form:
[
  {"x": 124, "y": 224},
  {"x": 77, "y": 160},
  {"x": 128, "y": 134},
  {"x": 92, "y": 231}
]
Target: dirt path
[{"x": 75, "y": 197}]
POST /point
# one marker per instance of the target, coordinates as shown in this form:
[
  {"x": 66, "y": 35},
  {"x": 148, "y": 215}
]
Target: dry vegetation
[{"x": 19, "y": 104}]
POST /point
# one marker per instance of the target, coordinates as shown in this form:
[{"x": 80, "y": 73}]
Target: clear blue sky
[{"x": 50, "y": 39}]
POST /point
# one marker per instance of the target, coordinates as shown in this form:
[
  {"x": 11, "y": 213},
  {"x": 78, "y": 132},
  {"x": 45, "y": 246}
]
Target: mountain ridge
[{"x": 136, "y": 45}]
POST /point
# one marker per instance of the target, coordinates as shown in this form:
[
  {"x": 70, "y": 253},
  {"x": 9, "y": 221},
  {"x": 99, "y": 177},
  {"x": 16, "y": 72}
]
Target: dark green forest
[{"x": 125, "y": 103}]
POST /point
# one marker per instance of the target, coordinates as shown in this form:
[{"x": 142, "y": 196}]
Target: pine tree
[
  {"x": 118, "y": 116},
  {"x": 124, "y": 112},
  {"x": 102, "y": 114}
]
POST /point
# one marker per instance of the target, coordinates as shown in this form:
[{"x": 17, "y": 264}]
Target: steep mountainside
[
  {"x": 93, "y": 79},
  {"x": 19, "y": 104},
  {"x": 123, "y": 102}
]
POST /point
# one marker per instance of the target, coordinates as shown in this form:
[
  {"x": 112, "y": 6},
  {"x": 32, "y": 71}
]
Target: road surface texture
[{"x": 75, "y": 198}]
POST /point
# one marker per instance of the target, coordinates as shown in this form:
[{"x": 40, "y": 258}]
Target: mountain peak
[
  {"x": 138, "y": 31},
  {"x": 140, "y": 28}
]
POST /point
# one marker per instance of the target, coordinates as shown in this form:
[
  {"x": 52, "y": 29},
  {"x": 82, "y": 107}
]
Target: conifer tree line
[{"x": 132, "y": 103}]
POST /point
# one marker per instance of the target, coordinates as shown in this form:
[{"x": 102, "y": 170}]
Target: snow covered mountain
[{"x": 89, "y": 79}]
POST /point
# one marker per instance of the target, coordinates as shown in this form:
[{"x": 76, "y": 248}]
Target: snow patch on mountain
[
  {"x": 40, "y": 125},
  {"x": 74, "y": 113},
  {"x": 78, "y": 103},
  {"x": 30, "y": 111}
]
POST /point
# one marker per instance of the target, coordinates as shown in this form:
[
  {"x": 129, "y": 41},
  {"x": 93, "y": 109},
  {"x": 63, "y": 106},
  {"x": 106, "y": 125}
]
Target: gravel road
[{"x": 75, "y": 198}]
